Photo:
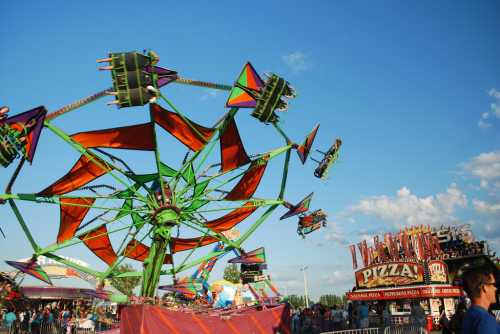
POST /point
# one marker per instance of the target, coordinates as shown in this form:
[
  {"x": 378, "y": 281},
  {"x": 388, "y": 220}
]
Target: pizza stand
[
  {"x": 399, "y": 283},
  {"x": 420, "y": 264}
]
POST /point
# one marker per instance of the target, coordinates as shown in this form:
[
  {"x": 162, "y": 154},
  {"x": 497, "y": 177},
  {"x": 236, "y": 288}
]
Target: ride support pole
[
  {"x": 77, "y": 104},
  {"x": 212, "y": 85}
]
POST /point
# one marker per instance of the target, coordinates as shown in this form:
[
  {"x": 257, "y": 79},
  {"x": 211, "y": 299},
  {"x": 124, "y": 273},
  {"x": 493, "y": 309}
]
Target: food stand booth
[
  {"x": 418, "y": 264},
  {"x": 398, "y": 284}
]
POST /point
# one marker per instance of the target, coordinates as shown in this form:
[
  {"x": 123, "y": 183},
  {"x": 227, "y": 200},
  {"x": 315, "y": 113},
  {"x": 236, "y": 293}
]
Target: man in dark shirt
[{"x": 480, "y": 285}]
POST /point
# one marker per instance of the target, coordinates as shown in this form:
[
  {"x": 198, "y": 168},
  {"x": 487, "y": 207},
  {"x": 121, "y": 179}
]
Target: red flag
[
  {"x": 387, "y": 238},
  {"x": 360, "y": 247},
  {"x": 427, "y": 245},
  {"x": 365, "y": 253},
  {"x": 381, "y": 252},
  {"x": 390, "y": 245},
  {"x": 397, "y": 246},
  {"x": 353, "y": 255},
  {"x": 435, "y": 245},
  {"x": 406, "y": 245},
  {"x": 420, "y": 246}
]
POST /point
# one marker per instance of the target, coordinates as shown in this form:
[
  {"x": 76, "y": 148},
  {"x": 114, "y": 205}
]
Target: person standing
[
  {"x": 350, "y": 314},
  {"x": 480, "y": 285},
  {"x": 458, "y": 318},
  {"x": 363, "y": 313},
  {"x": 387, "y": 316},
  {"x": 444, "y": 321},
  {"x": 9, "y": 318},
  {"x": 296, "y": 322},
  {"x": 417, "y": 314}
]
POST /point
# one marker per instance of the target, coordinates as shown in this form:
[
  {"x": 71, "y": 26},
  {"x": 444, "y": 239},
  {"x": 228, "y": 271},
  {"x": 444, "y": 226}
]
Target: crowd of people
[
  {"x": 58, "y": 317},
  {"x": 320, "y": 318},
  {"x": 358, "y": 315}
]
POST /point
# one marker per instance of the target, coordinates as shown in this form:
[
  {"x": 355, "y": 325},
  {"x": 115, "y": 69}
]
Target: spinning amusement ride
[{"x": 160, "y": 218}]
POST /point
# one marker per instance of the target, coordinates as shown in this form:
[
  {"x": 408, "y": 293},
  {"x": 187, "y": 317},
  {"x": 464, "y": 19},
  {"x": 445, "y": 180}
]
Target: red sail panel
[
  {"x": 98, "y": 242},
  {"x": 138, "y": 251},
  {"x": 84, "y": 171},
  {"x": 233, "y": 218},
  {"x": 304, "y": 149},
  {"x": 182, "y": 244},
  {"x": 248, "y": 184},
  {"x": 135, "y": 137},
  {"x": 72, "y": 215},
  {"x": 233, "y": 153},
  {"x": 194, "y": 137}
]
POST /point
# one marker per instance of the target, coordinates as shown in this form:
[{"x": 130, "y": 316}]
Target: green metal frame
[{"x": 137, "y": 191}]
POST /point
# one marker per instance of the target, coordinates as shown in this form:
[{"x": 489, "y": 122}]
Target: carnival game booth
[{"x": 404, "y": 270}]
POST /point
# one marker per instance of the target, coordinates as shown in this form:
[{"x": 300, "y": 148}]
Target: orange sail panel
[
  {"x": 98, "y": 242},
  {"x": 135, "y": 137},
  {"x": 73, "y": 210},
  {"x": 247, "y": 185},
  {"x": 182, "y": 244},
  {"x": 193, "y": 135},
  {"x": 138, "y": 251},
  {"x": 84, "y": 171},
  {"x": 233, "y": 153},
  {"x": 233, "y": 218}
]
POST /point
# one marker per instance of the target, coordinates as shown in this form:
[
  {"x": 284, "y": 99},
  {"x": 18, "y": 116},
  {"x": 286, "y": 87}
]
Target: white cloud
[
  {"x": 494, "y": 93},
  {"x": 485, "y": 167},
  {"x": 484, "y": 125},
  {"x": 339, "y": 277},
  {"x": 338, "y": 238},
  {"x": 335, "y": 234},
  {"x": 451, "y": 198},
  {"x": 494, "y": 244},
  {"x": 408, "y": 209},
  {"x": 494, "y": 110},
  {"x": 486, "y": 208},
  {"x": 492, "y": 230},
  {"x": 297, "y": 61},
  {"x": 489, "y": 231},
  {"x": 288, "y": 281}
]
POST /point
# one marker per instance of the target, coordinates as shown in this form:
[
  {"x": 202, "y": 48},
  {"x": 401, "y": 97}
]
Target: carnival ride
[
  {"x": 329, "y": 158},
  {"x": 159, "y": 218}
]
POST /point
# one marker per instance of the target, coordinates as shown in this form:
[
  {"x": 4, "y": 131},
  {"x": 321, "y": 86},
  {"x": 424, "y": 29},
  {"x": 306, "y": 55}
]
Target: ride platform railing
[
  {"x": 56, "y": 327},
  {"x": 405, "y": 329}
]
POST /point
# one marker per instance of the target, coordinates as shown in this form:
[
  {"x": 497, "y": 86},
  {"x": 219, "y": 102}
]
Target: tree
[
  {"x": 298, "y": 301},
  {"x": 330, "y": 300},
  {"x": 231, "y": 273},
  {"x": 125, "y": 285}
]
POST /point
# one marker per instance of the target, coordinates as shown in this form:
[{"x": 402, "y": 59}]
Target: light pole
[{"x": 303, "y": 269}]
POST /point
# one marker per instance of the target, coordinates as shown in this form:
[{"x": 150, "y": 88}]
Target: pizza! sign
[
  {"x": 438, "y": 271},
  {"x": 390, "y": 274}
]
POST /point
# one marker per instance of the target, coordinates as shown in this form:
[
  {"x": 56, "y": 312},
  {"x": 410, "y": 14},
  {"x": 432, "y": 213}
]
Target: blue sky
[{"x": 413, "y": 90}]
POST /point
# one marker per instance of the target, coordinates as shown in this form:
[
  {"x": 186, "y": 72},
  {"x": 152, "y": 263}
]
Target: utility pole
[{"x": 303, "y": 269}]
